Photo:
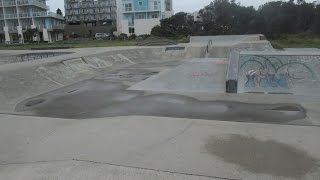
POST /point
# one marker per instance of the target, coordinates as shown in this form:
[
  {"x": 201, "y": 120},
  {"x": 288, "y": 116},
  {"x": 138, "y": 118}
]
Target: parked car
[{"x": 101, "y": 35}]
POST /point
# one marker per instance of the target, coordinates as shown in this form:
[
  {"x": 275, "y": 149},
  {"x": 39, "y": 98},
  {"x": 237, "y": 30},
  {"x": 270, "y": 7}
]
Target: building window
[
  {"x": 154, "y": 16},
  {"x": 155, "y": 5},
  {"x": 131, "y": 30},
  {"x": 140, "y": 3},
  {"x": 141, "y": 16},
  {"x": 128, "y": 7}
]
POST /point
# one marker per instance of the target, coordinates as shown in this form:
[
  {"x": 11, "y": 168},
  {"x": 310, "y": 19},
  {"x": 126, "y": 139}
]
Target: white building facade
[
  {"x": 17, "y": 16},
  {"x": 140, "y": 16}
]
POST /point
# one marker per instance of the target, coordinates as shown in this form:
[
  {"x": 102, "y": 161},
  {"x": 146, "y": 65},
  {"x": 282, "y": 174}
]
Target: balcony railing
[
  {"x": 91, "y": 5},
  {"x": 33, "y": 2},
  {"x": 25, "y": 2},
  {"x": 12, "y": 28},
  {"x": 140, "y": 8},
  {"x": 51, "y": 14},
  {"x": 25, "y": 15},
  {"x": 56, "y": 27},
  {"x": 47, "y": 14},
  {"x": 10, "y": 16},
  {"x": 8, "y": 3}
]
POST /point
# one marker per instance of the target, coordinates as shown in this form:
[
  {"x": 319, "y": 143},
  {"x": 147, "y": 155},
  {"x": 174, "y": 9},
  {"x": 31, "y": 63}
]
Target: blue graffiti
[{"x": 261, "y": 78}]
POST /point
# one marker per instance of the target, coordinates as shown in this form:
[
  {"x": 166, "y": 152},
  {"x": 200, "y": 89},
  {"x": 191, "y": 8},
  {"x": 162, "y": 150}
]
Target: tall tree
[
  {"x": 179, "y": 24},
  {"x": 59, "y": 12}
]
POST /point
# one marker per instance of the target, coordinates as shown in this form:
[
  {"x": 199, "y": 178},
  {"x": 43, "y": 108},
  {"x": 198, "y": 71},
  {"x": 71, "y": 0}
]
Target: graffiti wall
[{"x": 279, "y": 73}]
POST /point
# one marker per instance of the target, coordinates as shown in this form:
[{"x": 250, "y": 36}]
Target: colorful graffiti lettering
[{"x": 272, "y": 72}]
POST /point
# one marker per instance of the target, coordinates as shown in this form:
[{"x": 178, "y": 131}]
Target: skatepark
[{"x": 219, "y": 107}]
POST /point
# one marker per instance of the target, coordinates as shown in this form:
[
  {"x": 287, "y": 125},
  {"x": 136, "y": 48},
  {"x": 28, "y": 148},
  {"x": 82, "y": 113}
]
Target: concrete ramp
[
  {"x": 197, "y": 75},
  {"x": 279, "y": 72}
]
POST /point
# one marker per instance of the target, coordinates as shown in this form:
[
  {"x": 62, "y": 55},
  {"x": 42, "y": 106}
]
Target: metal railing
[
  {"x": 53, "y": 27},
  {"x": 25, "y": 2},
  {"x": 33, "y": 2},
  {"x": 140, "y": 8},
  {"x": 12, "y": 28},
  {"x": 10, "y": 16},
  {"x": 47, "y": 14}
]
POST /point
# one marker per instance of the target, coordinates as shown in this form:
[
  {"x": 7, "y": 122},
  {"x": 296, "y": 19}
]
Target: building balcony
[
  {"x": 12, "y": 28},
  {"x": 11, "y": 16},
  {"x": 25, "y": 15},
  {"x": 140, "y": 9},
  {"x": 48, "y": 14},
  {"x": 25, "y": 3},
  {"x": 56, "y": 27}
]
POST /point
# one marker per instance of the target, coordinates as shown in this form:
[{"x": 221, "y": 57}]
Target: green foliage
[
  {"x": 143, "y": 36},
  {"x": 30, "y": 33},
  {"x": 224, "y": 17},
  {"x": 112, "y": 37},
  {"x": 132, "y": 36},
  {"x": 59, "y": 12},
  {"x": 179, "y": 24},
  {"x": 122, "y": 37}
]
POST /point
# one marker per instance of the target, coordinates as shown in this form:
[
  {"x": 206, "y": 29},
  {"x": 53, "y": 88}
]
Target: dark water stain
[
  {"x": 266, "y": 157},
  {"x": 98, "y": 98}
]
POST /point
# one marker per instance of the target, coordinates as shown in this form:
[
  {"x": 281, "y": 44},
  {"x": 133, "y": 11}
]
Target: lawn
[
  {"x": 297, "y": 41},
  {"x": 68, "y": 44}
]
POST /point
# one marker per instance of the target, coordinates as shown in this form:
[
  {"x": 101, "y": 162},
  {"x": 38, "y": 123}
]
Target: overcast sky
[{"x": 178, "y": 5}]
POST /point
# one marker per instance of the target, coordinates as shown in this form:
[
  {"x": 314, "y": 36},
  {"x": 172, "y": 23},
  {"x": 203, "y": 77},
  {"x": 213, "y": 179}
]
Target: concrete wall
[{"x": 279, "y": 72}]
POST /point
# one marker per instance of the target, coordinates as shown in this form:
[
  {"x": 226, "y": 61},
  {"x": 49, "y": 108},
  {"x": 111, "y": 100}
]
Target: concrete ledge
[
  {"x": 231, "y": 86},
  {"x": 232, "y": 73}
]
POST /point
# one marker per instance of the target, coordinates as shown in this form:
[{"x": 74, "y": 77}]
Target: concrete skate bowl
[
  {"x": 30, "y": 57},
  {"x": 279, "y": 72},
  {"x": 20, "y": 81},
  {"x": 97, "y": 86}
]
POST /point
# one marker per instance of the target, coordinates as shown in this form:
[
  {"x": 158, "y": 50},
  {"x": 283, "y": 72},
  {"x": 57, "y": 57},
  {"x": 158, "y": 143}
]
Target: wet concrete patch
[
  {"x": 98, "y": 98},
  {"x": 262, "y": 157}
]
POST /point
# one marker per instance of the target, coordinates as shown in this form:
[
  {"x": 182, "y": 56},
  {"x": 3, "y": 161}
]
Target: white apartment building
[
  {"x": 16, "y": 16},
  {"x": 140, "y": 16}
]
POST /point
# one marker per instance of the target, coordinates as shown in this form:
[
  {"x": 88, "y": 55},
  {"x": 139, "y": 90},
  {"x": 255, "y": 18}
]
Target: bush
[
  {"x": 112, "y": 37},
  {"x": 183, "y": 39},
  {"x": 132, "y": 36},
  {"x": 123, "y": 37},
  {"x": 143, "y": 36}
]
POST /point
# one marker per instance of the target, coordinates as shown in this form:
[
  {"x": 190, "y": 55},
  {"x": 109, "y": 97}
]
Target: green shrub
[
  {"x": 122, "y": 37},
  {"x": 132, "y": 36}
]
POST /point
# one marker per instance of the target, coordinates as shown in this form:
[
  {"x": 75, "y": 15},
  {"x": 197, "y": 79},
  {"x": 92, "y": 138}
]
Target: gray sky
[{"x": 178, "y": 5}]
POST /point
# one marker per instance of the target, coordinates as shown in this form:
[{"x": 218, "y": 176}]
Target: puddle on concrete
[
  {"x": 262, "y": 157},
  {"x": 98, "y": 98}
]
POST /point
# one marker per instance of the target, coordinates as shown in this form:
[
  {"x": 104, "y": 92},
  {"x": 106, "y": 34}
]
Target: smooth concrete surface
[
  {"x": 197, "y": 75},
  {"x": 162, "y": 144}
]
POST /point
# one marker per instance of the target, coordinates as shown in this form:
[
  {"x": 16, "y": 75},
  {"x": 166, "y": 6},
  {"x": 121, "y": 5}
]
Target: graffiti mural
[{"x": 269, "y": 72}]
